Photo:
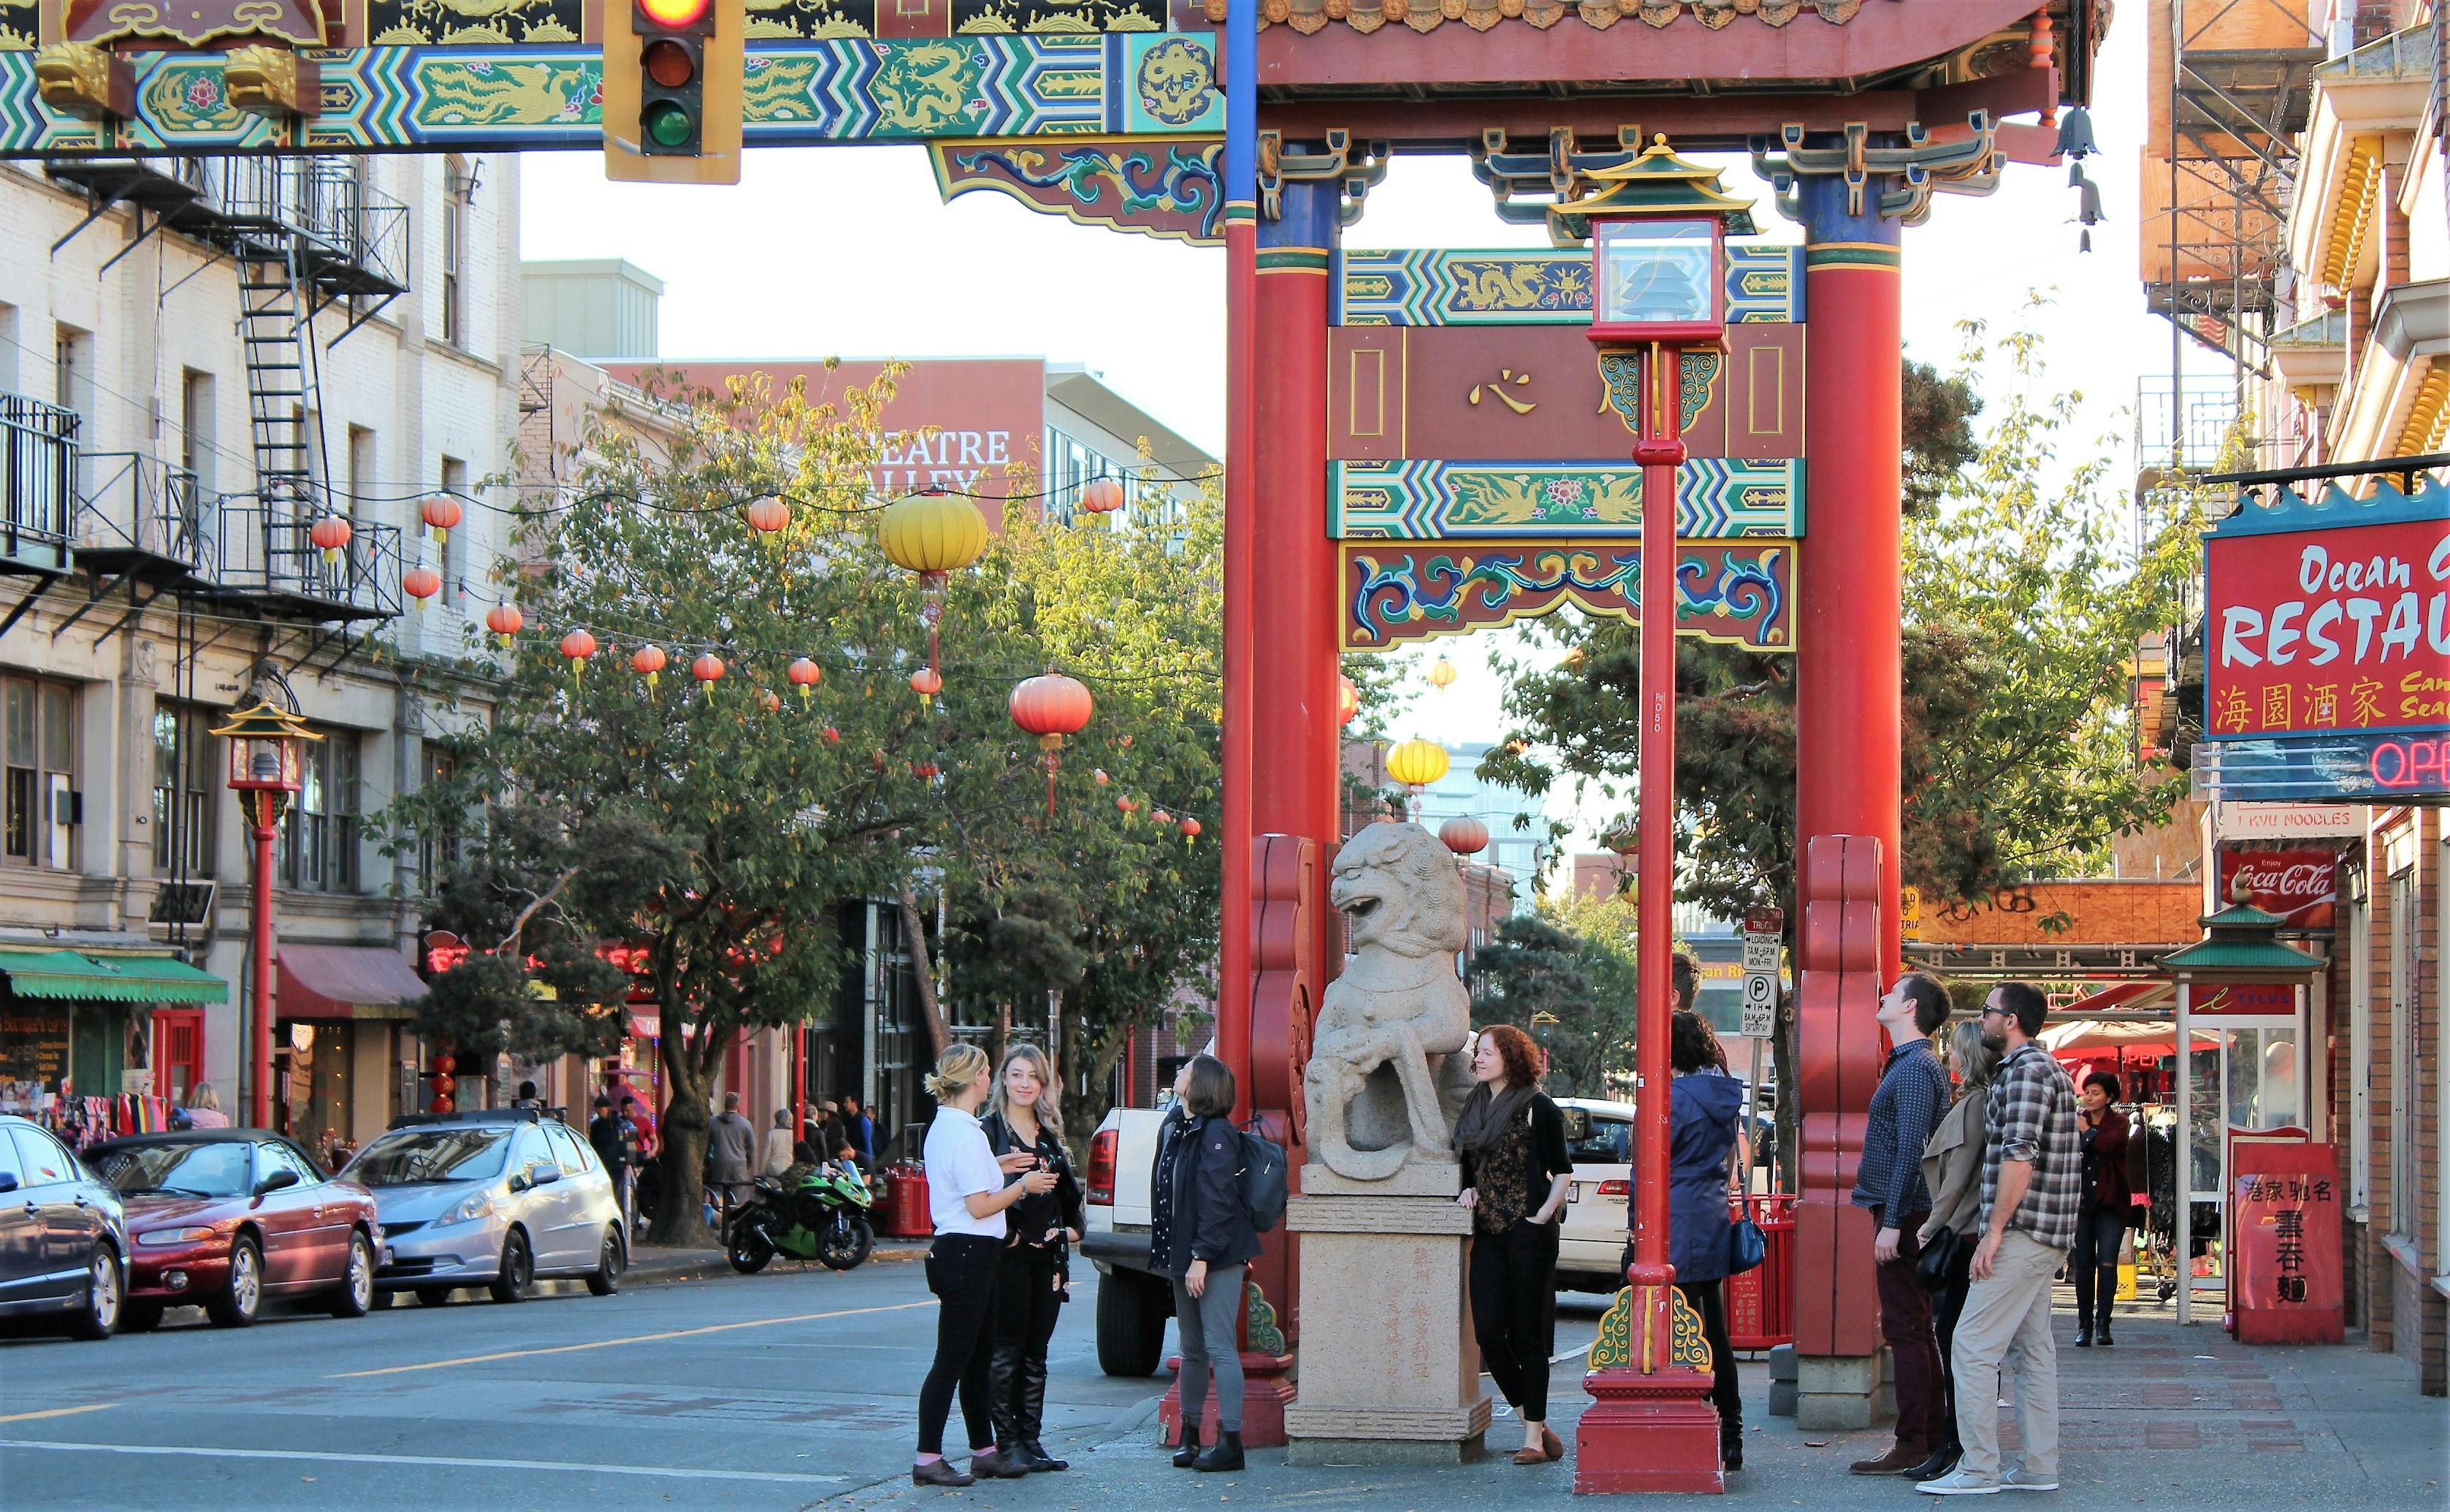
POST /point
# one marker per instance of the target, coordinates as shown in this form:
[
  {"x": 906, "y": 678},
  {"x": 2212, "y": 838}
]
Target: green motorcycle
[{"x": 816, "y": 1212}]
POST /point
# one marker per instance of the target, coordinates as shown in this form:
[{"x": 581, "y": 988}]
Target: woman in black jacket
[
  {"x": 1036, "y": 1277},
  {"x": 1516, "y": 1177},
  {"x": 1200, "y": 1234}
]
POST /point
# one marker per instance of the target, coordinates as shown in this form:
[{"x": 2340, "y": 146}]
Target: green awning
[{"x": 67, "y": 975}]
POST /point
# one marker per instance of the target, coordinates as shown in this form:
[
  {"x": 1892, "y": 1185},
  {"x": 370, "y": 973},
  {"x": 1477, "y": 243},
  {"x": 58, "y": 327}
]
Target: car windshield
[
  {"x": 216, "y": 1169},
  {"x": 409, "y": 1156}
]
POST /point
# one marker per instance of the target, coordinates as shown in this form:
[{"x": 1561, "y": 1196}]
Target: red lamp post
[
  {"x": 266, "y": 746},
  {"x": 1657, "y": 225}
]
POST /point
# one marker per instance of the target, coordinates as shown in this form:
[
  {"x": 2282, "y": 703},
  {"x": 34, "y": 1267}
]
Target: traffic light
[{"x": 672, "y": 73}]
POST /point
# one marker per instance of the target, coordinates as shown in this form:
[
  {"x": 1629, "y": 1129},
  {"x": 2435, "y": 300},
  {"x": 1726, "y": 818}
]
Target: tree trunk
[
  {"x": 914, "y": 931},
  {"x": 685, "y": 1119}
]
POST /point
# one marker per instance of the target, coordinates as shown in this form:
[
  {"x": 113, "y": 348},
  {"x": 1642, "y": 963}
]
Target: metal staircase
[{"x": 282, "y": 376}]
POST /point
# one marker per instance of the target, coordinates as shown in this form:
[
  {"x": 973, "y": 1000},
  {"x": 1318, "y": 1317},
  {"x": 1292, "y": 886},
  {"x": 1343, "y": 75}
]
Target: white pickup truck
[{"x": 1133, "y": 1303}]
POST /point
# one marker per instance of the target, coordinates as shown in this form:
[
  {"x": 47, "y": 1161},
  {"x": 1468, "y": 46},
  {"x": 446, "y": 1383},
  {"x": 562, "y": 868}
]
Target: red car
[{"x": 230, "y": 1217}]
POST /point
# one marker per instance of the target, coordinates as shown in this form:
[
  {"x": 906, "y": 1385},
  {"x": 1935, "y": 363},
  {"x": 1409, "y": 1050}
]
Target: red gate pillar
[{"x": 1847, "y": 783}]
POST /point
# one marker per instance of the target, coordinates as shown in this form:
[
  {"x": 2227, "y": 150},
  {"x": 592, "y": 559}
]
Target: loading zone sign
[{"x": 1762, "y": 928}]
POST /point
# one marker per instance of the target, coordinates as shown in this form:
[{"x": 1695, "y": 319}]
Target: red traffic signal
[{"x": 674, "y": 14}]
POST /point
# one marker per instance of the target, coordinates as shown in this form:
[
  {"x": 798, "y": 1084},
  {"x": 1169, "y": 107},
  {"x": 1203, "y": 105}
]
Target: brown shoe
[
  {"x": 1899, "y": 1458},
  {"x": 1549, "y": 1441},
  {"x": 1528, "y": 1456},
  {"x": 938, "y": 1472}
]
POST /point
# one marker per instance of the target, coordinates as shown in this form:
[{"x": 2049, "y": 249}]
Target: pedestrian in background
[
  {"x": 1201, "y": 1236},
  {"x": 1905, "y": 1110},
  {"x": 205, "y": 1108},
  {"x": 860, "y": 1129},
  {"x": 1952, "y": 1169},
  {"x": 1704, "y": 1106},
  {"x": 777, "y": 1159},
  {"x": 2031, "y": 1172},
  {"x": 1036, "y": 1275},
  {"x": 966, "y": 1199},
  {"x": 730, "y": 1155},
  {"x": 2100, "y": 1217},
  {"x": 1516, "y": 1173},
  {"x": 614, "y": 1140}
]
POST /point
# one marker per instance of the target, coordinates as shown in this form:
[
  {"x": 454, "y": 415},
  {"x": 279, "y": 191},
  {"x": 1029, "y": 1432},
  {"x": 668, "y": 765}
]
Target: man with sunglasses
[{"x": 2031, "y": 1185}]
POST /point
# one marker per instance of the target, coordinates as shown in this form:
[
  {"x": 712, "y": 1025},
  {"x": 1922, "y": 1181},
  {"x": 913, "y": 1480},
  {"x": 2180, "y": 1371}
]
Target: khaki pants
[{"x": 2007, "y": 1319}]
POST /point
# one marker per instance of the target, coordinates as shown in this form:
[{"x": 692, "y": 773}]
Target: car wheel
[
  {"x": 433, "y": 1296},
  {"x": 355, "y": 1296},
  {"x": 1131, "y": 1331},
  {"x": 140, "y": 1317},
  {"x": 605, "y": 1278},
  {"x": 518, "y": 1270},
  {"x": 236, "y": 1305},
  {"x": 99, "y": 1314}
]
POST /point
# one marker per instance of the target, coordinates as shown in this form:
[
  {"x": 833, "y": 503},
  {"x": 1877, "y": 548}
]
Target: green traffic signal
[{"x": 667, "y": 125}]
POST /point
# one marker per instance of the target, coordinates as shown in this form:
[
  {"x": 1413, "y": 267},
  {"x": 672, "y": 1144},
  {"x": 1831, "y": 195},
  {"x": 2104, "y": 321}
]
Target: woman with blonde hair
[
  {"x": 1035, "y": 1276},
  {"x": 1951, "y": 1168},
  {"x": 966, "y": 1197},
  {"x": 205, "y": 1108}
]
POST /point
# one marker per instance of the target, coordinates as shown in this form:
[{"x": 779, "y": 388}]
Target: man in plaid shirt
[{"x": 2031, "y": 1187}]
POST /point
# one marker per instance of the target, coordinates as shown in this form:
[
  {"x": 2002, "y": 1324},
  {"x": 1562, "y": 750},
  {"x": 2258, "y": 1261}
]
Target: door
[
  {"x": 290, "y": 1219},
  {"x": 574, "y": 1233},
  {"x": 54, "y": 1198},
  {"x": 178, "y": 1052},
  {"x": 539, "y": 1209},
  {"x": 21, "y": 1230}
]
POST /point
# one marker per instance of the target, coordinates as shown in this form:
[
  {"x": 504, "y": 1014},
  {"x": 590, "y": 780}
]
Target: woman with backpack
[
  {"x": 1516, "y": 1173},
  {"x": 1036, "y": 1275},
  {"x": 1200, "y": 1234},
  {"x": 1703, "y": 1107}
]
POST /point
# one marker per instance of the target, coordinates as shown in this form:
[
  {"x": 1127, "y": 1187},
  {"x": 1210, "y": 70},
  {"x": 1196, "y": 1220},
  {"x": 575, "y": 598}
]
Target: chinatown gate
[{"x": 1420, "y": 443}]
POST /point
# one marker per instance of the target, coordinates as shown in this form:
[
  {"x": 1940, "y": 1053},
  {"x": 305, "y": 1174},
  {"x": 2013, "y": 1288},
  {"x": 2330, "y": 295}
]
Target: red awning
[{"x": 346, "y": 981}]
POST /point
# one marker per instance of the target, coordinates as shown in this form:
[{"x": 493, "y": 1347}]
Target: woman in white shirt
[{"x": 966, "y": 1197}]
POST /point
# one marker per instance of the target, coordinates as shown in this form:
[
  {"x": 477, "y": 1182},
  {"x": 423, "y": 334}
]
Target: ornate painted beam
[
  {"x": 1442, "y": 286},
  {"x": 1737, "y": 593},
  {"x": 1169, "y": 189},
  {"x": 1716, "y": 499}
]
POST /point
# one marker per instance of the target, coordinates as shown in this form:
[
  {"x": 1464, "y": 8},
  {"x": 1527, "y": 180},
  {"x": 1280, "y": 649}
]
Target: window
[
  {"x": 2406, "y": 984},
  {"x": 196, "y": 429},
  {"x": 184, "y": 781},
  {"x": 360, "y": 477},
  {"x": 454, "y": 546},
  {"x": 272, "y": 1158},
  {"x": 437, "y": 850},
  {"x": 573, "y": 1156},
  {"x": 455, "y": 250},
  {"x": 321, "y": 835},
  {"x": 9, "y": 347},
  {"x": 38, "y": 740},
  {"x": 43, "y": 1160},
  {"x": 72, "y": 362}
]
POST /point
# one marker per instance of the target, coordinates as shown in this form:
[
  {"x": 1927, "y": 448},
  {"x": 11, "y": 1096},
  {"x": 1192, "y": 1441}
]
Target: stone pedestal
[
  {"x": 1390, "y": 1374},
  {"x": 1841, "y": 1391}
]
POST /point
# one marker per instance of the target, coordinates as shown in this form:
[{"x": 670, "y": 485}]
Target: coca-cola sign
[{"x": 2302, "y": 887}]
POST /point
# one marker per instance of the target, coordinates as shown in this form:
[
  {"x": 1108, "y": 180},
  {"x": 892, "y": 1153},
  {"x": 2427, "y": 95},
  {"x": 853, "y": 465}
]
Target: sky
[{"x": 849, "y": 251}]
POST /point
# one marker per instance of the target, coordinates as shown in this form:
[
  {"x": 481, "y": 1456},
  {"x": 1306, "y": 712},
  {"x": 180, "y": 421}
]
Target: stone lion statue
[{"x": 1384, "y": 1083}]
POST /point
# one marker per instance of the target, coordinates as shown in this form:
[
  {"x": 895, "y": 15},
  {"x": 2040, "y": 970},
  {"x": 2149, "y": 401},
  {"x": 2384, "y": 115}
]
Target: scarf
[{"x": 1487, "y": 1115}]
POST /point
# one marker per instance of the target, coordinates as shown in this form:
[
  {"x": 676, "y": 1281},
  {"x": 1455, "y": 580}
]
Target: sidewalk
[
  {"x": 2169, "y": 1419},
  {"x": 652, "y": 1263}
]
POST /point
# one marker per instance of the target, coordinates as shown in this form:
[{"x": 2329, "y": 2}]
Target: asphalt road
[{"x": 772, "y": 1392}]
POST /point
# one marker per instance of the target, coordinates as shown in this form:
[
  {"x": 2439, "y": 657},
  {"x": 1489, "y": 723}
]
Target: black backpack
[{"x": 1263, "y": 1178}]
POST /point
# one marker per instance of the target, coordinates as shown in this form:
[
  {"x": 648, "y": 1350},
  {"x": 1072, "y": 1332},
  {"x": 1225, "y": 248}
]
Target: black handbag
[{"x": 1939, "y": 1257}]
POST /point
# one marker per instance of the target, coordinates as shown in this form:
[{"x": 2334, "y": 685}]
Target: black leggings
[
  {"x": 1709, "y": 1299},
  {"x": 1026, "y": 1305},
  {"x": 1514, "y": 1312},
  {"x": 1947, "y": 1306},
  {"x": 961, "y": 1271}
]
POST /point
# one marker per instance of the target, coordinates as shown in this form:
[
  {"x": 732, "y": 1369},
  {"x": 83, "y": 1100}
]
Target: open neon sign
[{"x": 2404, "y": 765}]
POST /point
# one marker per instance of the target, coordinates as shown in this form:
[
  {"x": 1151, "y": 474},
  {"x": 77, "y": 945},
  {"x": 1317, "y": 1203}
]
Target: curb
[{"x": 653, "y": 1265}]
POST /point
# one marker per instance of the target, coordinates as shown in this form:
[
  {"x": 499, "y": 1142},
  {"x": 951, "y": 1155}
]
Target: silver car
[{"x": 496, "y": 1199}]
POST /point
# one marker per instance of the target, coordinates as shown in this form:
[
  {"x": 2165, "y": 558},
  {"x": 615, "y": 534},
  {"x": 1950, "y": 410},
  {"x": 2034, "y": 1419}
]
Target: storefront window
[
  {"x": 321, "y": 834},
  {"x": 2263, "y": 1078},
  {"x": 38, "y": 796}
]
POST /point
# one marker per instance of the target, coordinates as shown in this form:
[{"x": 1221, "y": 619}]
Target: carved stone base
[
  {"x": 1389, "y": 1366},
  {"x": 1267, "y": 1391},
  {"x": 1418, "y": 1178}
]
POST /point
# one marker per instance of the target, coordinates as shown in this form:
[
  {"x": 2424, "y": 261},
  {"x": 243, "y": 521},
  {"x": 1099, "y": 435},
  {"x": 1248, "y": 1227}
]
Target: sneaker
[
  {"x": 1959, "y": 1482},
  {"x": 2021, "y": 1479}
]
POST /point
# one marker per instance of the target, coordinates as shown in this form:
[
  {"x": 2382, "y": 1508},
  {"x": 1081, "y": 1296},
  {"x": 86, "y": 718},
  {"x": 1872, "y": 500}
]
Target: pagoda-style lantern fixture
[
  {"x": 267, "y": 766},
  {"x": 1658, "y": 227},
  {"x": 1416, "y": 763},
  {"x": 1050, "y": 706},
  {"x": 935, "y": 535}
]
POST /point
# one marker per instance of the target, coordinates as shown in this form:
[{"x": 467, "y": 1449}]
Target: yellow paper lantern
[
  {"x": 1417, "y": 763},
  {"x": 932, "y": 533}
]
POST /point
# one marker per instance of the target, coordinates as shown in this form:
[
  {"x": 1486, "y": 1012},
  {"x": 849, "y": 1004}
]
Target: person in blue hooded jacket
[{"x": 1703, "y": 1107}]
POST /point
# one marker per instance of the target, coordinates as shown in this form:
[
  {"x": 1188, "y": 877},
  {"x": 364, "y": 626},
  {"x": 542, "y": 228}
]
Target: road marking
[
  {"x": 639, "y": 1338},
  {"x": 318, "y": 1456},
  {"x": 57, "y": 1412}
]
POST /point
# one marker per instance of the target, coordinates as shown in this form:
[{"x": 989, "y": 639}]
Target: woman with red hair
[{"x": 1515, "y": 1177}]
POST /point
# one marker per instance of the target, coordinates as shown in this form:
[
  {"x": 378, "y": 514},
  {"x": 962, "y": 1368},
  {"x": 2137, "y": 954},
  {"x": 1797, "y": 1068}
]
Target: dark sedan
[
  {"x": 228, "y": 1218},
  {"x": 63, "y": 1252}
]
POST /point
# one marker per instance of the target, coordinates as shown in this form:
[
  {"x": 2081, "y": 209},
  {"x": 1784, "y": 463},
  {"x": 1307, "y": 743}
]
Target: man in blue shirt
[
  {"x": 1912, "y": 1099},
  {"x": 860, "y": 1128}
]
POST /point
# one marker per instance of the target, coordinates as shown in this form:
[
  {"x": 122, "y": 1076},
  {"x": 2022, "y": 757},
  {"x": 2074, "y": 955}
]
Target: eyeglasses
[{"x": 2004, "y": 1013}]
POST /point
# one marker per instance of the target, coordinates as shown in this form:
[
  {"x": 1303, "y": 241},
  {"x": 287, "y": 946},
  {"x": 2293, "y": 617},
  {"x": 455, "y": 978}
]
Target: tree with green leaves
[{"x": 1565, "y": 975}]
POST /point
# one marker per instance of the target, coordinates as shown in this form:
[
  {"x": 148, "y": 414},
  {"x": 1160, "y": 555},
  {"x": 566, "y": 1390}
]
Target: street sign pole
[{"x": 1763, "y": 930}]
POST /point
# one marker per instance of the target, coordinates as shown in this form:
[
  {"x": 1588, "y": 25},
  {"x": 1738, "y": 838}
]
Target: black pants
[
  {"x": 2100, "y": 1235},
  {"x": 1709, "y": 1299},
  {"x": 961, "y": 1271},
  {"x": 1026, "y": 1305},
  {"x": 1947, "y": 1306},
  {"x": 1514, "y": 1312}
]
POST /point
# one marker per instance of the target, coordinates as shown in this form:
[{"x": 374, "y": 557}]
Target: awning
[
  {"x": 70, "y": 976},
  {"x": 347, "y": 981}
]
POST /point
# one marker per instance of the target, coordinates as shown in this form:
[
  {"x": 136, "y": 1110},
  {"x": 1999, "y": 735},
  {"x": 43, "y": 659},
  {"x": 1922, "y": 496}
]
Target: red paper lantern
[
  {"x": 1101, "y": 775},
  {"x": 1465, "y": 835},
  {"x": 804, "y": 675},
  {"x": 927, "y": 682},
  {"x": 647, "y": 661},
  {"x": 1050, "y": 706},
  {"x": 1126, "y": 805},
  {"x": 833, "y": 736},
  {"x": 1160, "y": 816},
  {"x": 769, "y": 700},
  {"x": 1348, "y": 698},
  {"x": 1190, "y": 827},
  {"x": 441, "y": 515},
  {"x": 707, "y": 668},
  {"x": 1101, "y": 496},
  {"x": 577, "y": 646},
  {"x": 420, "y": 583},
  {"x": 766, "y": 516},
  {"x": 332, "y": 535},
  {"x": 504, "y": 620}
]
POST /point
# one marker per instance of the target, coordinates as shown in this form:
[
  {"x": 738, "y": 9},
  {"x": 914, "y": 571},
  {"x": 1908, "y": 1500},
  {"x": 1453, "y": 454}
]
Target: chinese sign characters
[{"x": 2284, "y": 1242}]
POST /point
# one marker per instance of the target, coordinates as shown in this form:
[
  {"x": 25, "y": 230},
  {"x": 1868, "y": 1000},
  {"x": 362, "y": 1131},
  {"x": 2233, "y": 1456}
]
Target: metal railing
[
  {"x": 325, "y": 199},
  {"x": 38, "y": 450},
  {"x": 265, "y": 548},
  {"x": 2185, "y": 425},
  {"x": 132, "y": 501}
]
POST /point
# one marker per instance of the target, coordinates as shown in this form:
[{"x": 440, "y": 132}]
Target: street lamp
[
  {"x": 266, "y": 749},
  {"x": 1657, "y": 225}
]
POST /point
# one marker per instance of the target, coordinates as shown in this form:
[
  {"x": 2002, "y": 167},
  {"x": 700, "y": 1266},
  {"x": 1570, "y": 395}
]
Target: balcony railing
[
  {"x": 38, "y": 449},
  {"x": 266, "y": 554},
  {"x": 356, "y": 225},
  {"x": 144, "y": 508}
]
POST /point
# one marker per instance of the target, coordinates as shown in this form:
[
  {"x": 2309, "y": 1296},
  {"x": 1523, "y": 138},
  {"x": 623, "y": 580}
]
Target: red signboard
[
  {"x": 2329, "y": 631},
  {"x": 2302, "y": 887},
  {"x": 2233, "y": 999},
  {"x": 2284, "y": 1243}
]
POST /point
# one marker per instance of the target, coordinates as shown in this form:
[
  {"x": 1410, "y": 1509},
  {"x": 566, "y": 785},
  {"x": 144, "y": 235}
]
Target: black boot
[
  {"x": 2083, "y": 1334},
  {"x": 1031, "y": 1413},
  {"x": 2105, "y": 1293},
  {"x": 1039, "y": 1460},
  {"x": 1731, "y": 1444},
  {"x": 1187, "y": 1448},
  {"x": 1225, "y": 1454},
  {"x": 1004, "y": 1394},
  {"x": 1943, "y": 1460}
]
